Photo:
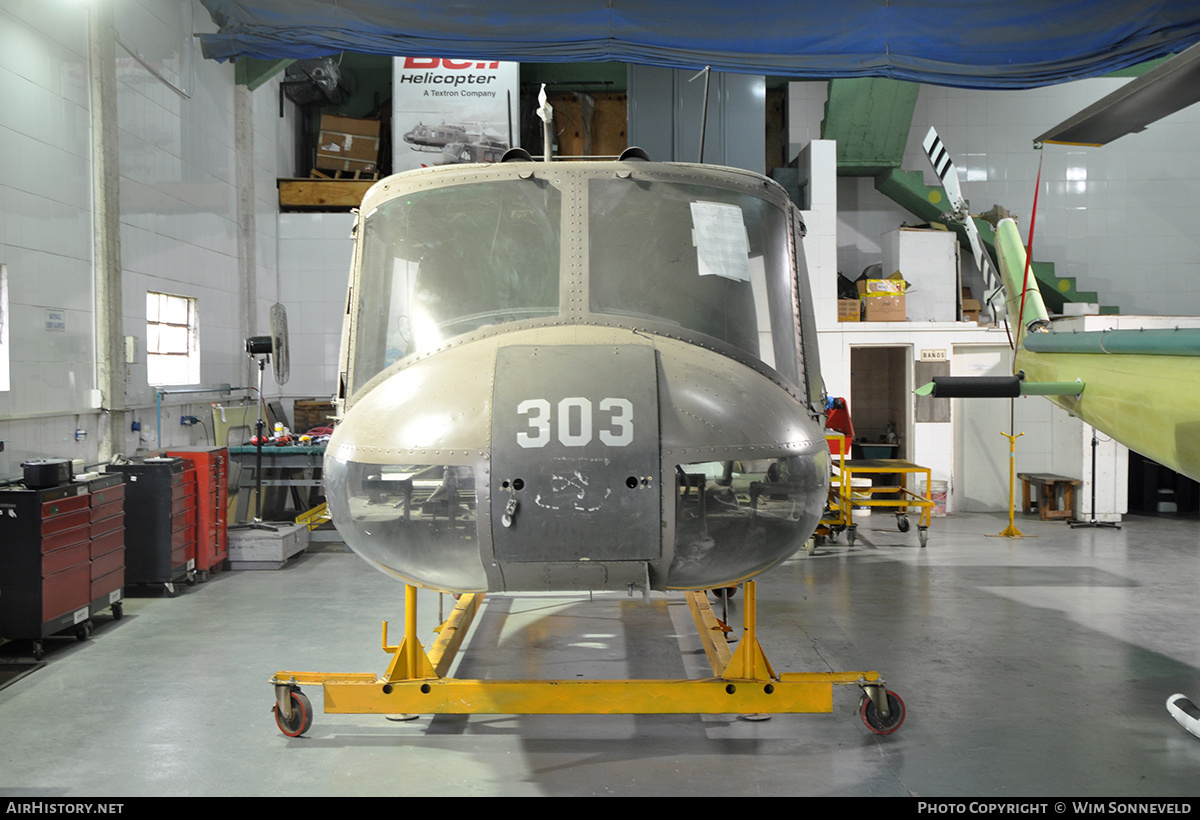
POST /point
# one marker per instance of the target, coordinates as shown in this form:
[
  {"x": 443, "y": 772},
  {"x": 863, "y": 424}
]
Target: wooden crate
[{"x": 348, "y": 144}]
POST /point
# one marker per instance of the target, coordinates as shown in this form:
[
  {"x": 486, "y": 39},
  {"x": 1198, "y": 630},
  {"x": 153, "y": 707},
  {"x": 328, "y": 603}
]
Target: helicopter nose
[{"x": 575, "y": 455}]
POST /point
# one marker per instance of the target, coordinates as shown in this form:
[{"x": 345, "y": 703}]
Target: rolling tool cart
[
  {"x": 106, "y": 527},
  {"x": 45, "y": 564},
  {"x": 160, "y": 510},
  {"x": 212, "y": 507}
]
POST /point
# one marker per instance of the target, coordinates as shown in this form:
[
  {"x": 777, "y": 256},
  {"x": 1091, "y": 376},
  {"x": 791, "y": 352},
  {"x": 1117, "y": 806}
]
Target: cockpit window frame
[{"x": 572, "y": 180}]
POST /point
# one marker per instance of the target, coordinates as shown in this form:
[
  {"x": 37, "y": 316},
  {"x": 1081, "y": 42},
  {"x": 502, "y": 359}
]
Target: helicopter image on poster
[
  {"x": 455, "y": 143},
  {"x": 477, "y": 149},
  {"x": 434, "y": 138},
  {"x": 578, "y": 376}
]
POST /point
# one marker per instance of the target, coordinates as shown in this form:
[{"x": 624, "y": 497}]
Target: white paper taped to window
[{"x": 720, "y": 234}]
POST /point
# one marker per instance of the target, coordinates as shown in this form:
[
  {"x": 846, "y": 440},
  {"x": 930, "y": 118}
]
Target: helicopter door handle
[{"x": 510, "y": 512}]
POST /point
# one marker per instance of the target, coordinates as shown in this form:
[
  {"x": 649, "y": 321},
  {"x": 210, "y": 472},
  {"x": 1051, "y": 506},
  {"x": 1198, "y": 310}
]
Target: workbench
[
  {"x": 1050, "y": 490},
  {"x": 292, "y": 467}
]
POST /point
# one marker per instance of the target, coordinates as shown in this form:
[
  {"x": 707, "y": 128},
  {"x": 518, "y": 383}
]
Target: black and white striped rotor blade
[
  {"x": 982, "y": 260},
  {"x": 943, "y": 166}
]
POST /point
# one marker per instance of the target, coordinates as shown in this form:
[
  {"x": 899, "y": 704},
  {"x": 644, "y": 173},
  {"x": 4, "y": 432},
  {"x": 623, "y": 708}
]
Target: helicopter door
[{"x": 575, "y": 456}]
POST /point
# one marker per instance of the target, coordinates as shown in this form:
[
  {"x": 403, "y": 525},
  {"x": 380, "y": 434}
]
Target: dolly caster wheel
[
  {"x": 876, "y": 722},
  {"x": 902, "y": 522},
  {"x": 83, "y": 631},
  {"x": 302, "y": 715},
  {"x": 118, "y": 611}
]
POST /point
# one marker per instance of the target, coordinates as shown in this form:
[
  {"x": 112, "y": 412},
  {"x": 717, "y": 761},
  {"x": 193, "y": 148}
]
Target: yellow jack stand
[
  {"x": 743, "y": 681},
  {"x": 1011, "y": 530}
]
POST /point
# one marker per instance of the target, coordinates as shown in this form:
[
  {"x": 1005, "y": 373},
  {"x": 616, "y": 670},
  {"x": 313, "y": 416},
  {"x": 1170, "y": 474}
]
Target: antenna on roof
[
  {"x": 546, "y": 112},
  {"x": 703, "y": 109}
]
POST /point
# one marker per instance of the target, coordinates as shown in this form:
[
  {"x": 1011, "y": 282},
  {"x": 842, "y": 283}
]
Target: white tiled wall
[{"x": 179, "y": 207}]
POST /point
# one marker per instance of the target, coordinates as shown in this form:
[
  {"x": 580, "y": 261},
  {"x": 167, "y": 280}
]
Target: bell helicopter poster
[{"x": 448, "y": 111}]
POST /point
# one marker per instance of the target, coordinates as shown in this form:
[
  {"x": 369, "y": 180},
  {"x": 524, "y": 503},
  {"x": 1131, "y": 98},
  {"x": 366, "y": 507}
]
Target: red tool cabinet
[
  {"x": 61, "y": 558},
  {"x": 212, "y": 506},
  {"x": 107, "y": 530}
]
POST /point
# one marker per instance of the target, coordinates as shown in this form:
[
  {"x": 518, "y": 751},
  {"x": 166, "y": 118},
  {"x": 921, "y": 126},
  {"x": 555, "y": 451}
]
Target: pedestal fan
[{"x": 273, "y": 348}]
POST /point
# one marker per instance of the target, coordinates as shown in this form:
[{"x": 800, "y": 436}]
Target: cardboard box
[
  {"x": 884, "y": 307},
  {"x": 970, "y": 310},
  {"x": 849, "y": 310},
  {"x": 348, "y": 144},
  {"x": 882, "y": 300}
]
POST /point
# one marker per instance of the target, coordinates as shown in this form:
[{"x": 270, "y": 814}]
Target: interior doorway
[{"x": 880, "y": 401}]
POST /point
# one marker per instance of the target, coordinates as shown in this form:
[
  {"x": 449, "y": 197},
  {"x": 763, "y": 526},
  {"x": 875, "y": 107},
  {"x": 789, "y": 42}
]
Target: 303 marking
[{"x": 573, "y": 424}]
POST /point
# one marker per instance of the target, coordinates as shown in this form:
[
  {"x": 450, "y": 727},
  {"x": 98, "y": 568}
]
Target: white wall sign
[
  {"x": 448, "y": 111},
  {"x": 56, "y": 320}
]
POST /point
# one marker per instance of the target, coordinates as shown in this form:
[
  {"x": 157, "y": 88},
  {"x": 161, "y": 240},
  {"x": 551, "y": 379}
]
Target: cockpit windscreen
[
  {"x": 442, "y": 262},
  {"x": 711, "y": 260}
]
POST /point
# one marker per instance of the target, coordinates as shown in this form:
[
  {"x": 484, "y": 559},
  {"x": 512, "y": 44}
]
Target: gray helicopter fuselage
[{"x": 577, "y": 375}]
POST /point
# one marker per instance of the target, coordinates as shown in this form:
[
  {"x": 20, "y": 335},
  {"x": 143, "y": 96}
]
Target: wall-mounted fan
[{"x": 317, "y": 80}]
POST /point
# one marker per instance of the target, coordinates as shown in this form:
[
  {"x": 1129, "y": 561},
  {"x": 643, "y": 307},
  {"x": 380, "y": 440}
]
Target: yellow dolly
[
  {"x": 416, "y": 682},
  {"x": 836, "y": 517},
  {"x": 900, "y": 498}
]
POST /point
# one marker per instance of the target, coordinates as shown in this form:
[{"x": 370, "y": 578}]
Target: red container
[{"x": 838, "y": 421}]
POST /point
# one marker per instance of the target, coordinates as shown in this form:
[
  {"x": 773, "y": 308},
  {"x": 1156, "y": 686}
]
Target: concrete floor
[{"x": 1034, "y": 667}]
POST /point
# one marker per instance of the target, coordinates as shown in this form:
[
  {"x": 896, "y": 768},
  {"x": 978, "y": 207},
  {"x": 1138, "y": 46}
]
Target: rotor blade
[
  {"x": 943, "y": 166},
  {"x": 1165, "y": 89}
]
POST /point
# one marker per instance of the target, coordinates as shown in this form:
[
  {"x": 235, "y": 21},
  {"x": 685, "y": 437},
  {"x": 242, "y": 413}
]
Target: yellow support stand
[
  {"x": 743, "y": 681},
  {"x": 315, "y": 517},
  {"x": 1011, "y": 530}
]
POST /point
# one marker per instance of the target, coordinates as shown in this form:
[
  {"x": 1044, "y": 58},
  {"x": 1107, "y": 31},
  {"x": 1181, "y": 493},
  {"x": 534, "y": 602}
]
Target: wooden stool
[{"x": 1049, "y": 486}]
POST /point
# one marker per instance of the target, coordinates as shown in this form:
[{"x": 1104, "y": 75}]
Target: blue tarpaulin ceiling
[{"x": 970, "y": 43}]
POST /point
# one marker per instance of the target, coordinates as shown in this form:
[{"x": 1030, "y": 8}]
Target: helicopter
[
  {"x": 479, "y": 149},
  {"x": 434, "y": 137},
  {"x": 577, "y": 375},
  {"x": 1111, "y": 379}
]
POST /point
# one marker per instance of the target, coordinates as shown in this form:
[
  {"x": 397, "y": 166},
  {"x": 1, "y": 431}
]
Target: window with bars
[{"x": 172, "y": 344}]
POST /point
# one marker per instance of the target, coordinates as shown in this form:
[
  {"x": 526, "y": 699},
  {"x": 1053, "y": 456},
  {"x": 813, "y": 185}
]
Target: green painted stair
[
  {"x": 870, "y": 118},
  {"x": 908, "y": 189}
]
